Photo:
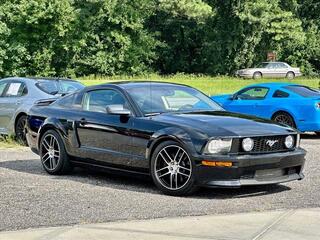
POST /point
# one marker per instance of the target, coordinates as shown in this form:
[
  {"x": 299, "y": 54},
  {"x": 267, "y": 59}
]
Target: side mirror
[
  {"x": 233, "y": 97},
  {"x": 118, "y": 109}
]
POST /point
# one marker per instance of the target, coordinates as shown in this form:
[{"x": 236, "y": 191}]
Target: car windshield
[
  {"x": 54, "y": 87},
  {"x": 304, "y": 91},
  {"x": 157, "y": 99}
]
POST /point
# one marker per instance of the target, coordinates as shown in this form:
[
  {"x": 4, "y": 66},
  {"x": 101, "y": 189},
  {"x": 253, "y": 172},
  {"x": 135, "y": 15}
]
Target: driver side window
[
  {"x": 255, "y": 93},
  {"x": 98, "y": 100}
]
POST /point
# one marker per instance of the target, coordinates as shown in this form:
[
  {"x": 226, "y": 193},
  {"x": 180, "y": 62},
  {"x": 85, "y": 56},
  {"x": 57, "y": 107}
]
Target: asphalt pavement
[{"x": 30, "y": 198}]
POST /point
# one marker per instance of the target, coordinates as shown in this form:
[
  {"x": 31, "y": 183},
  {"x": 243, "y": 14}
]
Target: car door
[
  {"x": 102, "y": 136},
  {"x": 269, "y": 71},
  {"x": 248, "y": 101},
  {"x": 11, "y": 100}
]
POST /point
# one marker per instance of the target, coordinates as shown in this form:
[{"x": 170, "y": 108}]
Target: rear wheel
[
  {"x": 172, "y": 169},
  {"x": 257, "y": 75},
  {"x": 284, "y": 118},
  {"x": 20, "y": 130},
  {"x": 53, "y": 155},
  {"x": 290, "y": 75}
]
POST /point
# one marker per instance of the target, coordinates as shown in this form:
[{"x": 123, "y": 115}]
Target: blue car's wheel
[{"x": 284, "y": 118}]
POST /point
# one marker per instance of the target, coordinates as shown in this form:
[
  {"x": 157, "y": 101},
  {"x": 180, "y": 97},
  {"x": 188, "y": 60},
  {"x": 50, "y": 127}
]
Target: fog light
[
  {"x": 289, "y": 141},
  {"x": 216, "y": 164},
  {"x": 247, "y": 144}
]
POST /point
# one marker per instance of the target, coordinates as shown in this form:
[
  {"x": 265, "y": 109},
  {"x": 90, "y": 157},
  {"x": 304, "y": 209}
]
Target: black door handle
[{"x": 83, "y": 121}]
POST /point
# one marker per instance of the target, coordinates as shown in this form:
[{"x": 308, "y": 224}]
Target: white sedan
[{"x": 270, "y": 70}]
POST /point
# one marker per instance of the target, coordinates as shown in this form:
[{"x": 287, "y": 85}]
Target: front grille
[{"x": 269, "y": 144}]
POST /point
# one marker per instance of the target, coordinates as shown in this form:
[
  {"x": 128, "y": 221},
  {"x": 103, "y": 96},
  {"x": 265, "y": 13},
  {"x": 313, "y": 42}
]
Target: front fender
[{"x": 175, "y": 134}]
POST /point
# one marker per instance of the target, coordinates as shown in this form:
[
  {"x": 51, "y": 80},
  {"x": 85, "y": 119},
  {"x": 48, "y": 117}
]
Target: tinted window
[
  {"x": 67, "y": 101},
  {"x": 280, "y": 94},
  {"x": 254, "y": 93},
  {"x": 98, "y": 100},
  {"x": 16, "y": 89},
  {"x": 170, "y": 98},
  {"x": 54, "y": 87},
  {"x": 304, "y": 91},
  {"x": 2, "y": 87}
]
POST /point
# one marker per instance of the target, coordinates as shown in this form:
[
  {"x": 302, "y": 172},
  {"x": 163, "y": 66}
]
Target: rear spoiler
[{"x": 45, "y": 102}]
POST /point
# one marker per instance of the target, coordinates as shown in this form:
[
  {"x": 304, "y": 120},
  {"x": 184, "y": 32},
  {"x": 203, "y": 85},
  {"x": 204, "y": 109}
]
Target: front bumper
[{"x": 248, "y": 170}]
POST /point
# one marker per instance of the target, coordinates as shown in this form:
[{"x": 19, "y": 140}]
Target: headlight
[
  {"x": 219, "y": 146},
  {"x": 247, "y": 144},
  {"x": 289, "y": 142}
]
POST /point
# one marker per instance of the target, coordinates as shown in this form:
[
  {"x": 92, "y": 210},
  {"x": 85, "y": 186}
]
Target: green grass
[
  {"x": 9, "y": 142},
  {"x": 207, "y": 84}
]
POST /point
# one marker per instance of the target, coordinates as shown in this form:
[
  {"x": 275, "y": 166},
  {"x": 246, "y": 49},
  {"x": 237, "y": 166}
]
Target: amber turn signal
[{"x": 216, "y": 164}]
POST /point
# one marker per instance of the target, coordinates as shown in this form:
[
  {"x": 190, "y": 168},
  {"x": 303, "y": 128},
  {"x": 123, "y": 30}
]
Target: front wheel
[
  {"x": 172, "y": 169},
  {"x": 53, "y": 155}
]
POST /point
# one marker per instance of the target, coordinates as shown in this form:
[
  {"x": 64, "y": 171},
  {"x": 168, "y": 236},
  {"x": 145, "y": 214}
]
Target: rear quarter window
[
  {"x": 280, "y": 94},
  {"x": 304, "y": 91}
]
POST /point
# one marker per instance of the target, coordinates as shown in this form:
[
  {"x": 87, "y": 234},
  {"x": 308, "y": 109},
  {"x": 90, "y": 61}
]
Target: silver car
[
  {"x": 270, "y": 70},
  {"x": 17, "y": 95}
]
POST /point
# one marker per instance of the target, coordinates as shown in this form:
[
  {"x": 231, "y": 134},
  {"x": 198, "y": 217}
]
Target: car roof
[
  {"x": 132, "y": 84},
  {"x": 273, "y": 85},
  {"x": 275, "y": 62},
  {"x": 39, "y": 78}
]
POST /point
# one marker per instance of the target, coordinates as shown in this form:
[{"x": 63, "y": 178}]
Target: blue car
[{"x": 291, "y": 104}]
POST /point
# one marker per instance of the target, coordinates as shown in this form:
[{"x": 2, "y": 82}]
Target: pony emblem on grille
[{"x": 270, "y": 143}]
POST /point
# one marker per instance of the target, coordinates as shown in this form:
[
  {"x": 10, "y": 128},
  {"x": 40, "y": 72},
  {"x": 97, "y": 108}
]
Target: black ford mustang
[{"x": 174, "y": 133}]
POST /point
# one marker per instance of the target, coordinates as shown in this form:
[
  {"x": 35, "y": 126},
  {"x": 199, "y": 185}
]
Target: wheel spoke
[
  {"x": 165, "y": 174},
  {"x": 165, "y": 151},
  {"x": 162, "y": 169},
  {"x": 45, "y": 157},
  {"x": 180, "y": 158},
  {"x": 171, "y": 180},
  {"x": 175, "y": 157},
  {"x": 187, "y": 169},
  {"x": 186, "y": 175},
  {"x": 164, "y": 159},
  {"x": 176, "y": 180},
  {"x": 46, "y": 144}
]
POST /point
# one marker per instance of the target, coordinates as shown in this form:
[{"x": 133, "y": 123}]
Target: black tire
[
  {"x": 317, "y": 133},
  {"x": 284, "y": 118},
  {"x": 57, "y": 163},
  {"x": 257, "y": 75},
  {"x": 20, "y": 130},
  {"x": 290, "y": 75},
  {"x": 179, "y": 158}
]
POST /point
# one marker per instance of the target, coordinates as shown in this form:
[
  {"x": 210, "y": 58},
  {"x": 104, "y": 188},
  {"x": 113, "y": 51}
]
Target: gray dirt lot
[{"x": 31, "y": 198}]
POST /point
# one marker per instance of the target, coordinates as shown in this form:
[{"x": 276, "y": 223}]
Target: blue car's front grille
[{"x": 270, "y": 144}]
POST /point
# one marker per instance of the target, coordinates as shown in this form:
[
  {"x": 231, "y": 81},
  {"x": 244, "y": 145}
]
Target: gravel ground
[{"x": 31, "y": 198}]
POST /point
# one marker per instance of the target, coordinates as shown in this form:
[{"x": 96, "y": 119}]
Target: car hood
[{"x": 222, "y": 123}]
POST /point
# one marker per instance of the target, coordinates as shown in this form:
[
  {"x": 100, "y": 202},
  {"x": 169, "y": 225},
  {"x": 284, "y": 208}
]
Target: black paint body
[{"x": 126, "y": 143}]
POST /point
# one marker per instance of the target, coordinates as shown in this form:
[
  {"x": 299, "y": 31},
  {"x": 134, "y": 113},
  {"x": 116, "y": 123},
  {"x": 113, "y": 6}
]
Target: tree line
[{"x": 113, "y": 37}]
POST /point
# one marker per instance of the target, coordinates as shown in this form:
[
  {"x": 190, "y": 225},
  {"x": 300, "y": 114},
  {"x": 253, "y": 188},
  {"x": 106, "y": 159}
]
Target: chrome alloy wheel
[
  {"x": 50, "y": 150},
  {"x": 173, "y": 167}
]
